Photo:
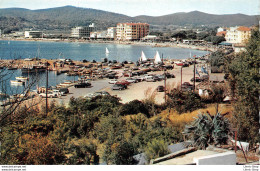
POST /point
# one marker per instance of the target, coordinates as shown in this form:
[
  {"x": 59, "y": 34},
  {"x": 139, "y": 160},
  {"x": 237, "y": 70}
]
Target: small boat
[
  {"x": 157, "y": 58},
  {"x": 143, "y": 57},
  {"x": 116, "y": 67},
  {"x": 28, "y": 59},
  {"x": 66, "y": 84},
  {"x": 12, "y": 68},
  {"x": 22, "y": 78},
  {"x": 178, "y": 63},
  {"x": 17, "y": 82},
  {"x": 107, "y": 51}
]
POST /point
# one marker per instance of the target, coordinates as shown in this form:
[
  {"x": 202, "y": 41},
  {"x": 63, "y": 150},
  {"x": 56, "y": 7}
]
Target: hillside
[
  {"x": 69, "y": 16},
  {"x": 196, "y": 18}
]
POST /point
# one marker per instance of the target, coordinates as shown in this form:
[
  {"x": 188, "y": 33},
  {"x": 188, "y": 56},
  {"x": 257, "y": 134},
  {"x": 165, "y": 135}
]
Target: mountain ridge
[{"x": 69, "y": 16}]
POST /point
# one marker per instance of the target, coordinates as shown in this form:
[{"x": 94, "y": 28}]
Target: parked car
[
  {"x": 186, "y": 86},
  {"x": 204, "y": 77},
  {"x": 123, "y": 82},
  {"x": 131, "y": 80},
  {"x": 168, "y": 75},
  {"x": 118, "y": 87},
  {"x": 64, "y": 91},
  {"x": 160, "y": 88},
  {"x": 197, "y": 79},
  {"x": 150, "y": 79},
  {"x": 49, "y": 95},
  {"x": 82, "y": 85},
  {"x": 113, "y": 81},
  {"x": 169, "y": 67}
]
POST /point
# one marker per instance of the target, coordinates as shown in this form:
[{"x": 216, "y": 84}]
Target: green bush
[{"x": 182, "y": 102}]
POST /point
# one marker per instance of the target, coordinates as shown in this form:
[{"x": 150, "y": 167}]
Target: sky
[{"x": 146, "y": 7}]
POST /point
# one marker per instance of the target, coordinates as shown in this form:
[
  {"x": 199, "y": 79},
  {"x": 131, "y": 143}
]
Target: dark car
[
  {"x": 168, "y": 75},
  {"x": 118, "y": 87},
  {"x": 64, "y": 90},
  {"x": 197, "y": 79},
  {"x": 169, "y": 67},
  {"x": 160, "y": 88},
  {"x": 204, "y": 77},
  {"x": 186, "y": 86},
  {"x": 82, "y": 85}
]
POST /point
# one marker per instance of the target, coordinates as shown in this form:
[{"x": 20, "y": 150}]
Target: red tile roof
[
  {"x": 243, "y": 28},
  {"x": 221, "y": 33}
]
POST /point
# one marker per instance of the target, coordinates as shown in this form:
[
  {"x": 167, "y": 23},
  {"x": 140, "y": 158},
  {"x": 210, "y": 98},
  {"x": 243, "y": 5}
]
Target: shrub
[
  {"x": 207, "y": 129},
  {"x": 184, "y": 101},
  {"x": 134, "y": 107},
  {"x": 156, "y": 148}
]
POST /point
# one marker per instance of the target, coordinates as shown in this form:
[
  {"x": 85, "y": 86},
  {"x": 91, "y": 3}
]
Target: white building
[
  {"x": 82, "y": 32},
  {"x": 238, "y": 34},
  {"x": 111, "y": 33},
  {"x": 98, "y": 35},
  {"x": 33, "y": 34},
  {"x": 220, "y": 29}
]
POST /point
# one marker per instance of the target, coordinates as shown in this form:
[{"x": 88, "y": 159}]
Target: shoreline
[{"x": 135, "y": 43}]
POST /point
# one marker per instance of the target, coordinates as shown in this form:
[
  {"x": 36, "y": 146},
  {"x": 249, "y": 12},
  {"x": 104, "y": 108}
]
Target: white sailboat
[
  {"x": 157, "y": 58},
  {"x": 143, "y": 57},
  {"x": 107, "y": 51}
]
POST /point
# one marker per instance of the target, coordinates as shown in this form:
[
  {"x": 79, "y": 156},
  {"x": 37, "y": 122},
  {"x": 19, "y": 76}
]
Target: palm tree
[{"x": 207, "y": 129}]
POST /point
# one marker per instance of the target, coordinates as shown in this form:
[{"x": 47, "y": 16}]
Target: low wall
[{"x": 226, "y": 158}]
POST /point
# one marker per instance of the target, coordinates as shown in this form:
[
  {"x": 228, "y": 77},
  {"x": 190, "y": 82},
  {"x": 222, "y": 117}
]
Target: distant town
[{"x": 235, "y": 37}]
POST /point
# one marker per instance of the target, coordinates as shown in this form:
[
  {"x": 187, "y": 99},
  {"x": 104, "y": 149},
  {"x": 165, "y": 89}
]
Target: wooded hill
[{"x": 69, "y": 16}]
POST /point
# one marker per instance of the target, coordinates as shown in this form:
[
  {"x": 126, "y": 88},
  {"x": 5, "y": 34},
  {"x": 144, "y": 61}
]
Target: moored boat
[
  {"x": 17, "y": 82},
  {"x": 34, "y": 68},
  {"x": 22, "y": 78}
]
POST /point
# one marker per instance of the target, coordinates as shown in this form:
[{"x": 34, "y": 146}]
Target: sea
[{"x": 77, "y": 51}]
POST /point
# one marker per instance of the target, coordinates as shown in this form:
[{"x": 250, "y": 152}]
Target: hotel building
[
  {"x": 131, "y": 31},
  {"x": 82, "y": 32},
  {"x": 238, "y": 35}
]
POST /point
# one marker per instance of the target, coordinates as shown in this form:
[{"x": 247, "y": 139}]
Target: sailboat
[
  {"x": 143, "y": 57},
  {"x": 157, "y": 58},
  {"x": 107, "y": 51}
]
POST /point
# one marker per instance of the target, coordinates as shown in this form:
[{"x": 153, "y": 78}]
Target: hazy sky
[{"x": 146, "y": 7}]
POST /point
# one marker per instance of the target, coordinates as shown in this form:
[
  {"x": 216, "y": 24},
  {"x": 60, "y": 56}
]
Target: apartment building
[
  {"x": 131, "y": 31},
  {"x": 82, "y": 32},
  {"x": 238, "y": 35},
  {"x": 111, "y": 33}
]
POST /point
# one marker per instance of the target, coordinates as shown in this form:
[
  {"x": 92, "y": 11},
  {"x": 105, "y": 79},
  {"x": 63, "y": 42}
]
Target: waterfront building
[
  {"x": 150, "y": 38},
  {"x": 238, "y": 35},
  {"x": 131, "y": 31},
  {"x": 33, "y": 34},
  {"x": 111, "y": 33},
  {"x": 98, "y": 35},
  {"x": 82, "y": 32},
  {"x": 0, "y": 33}
]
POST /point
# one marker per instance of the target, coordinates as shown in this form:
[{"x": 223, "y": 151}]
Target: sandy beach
[{"x": 140, "y": 43}]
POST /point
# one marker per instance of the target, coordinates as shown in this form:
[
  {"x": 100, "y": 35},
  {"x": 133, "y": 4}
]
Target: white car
[
  {"x": 113, "y": 81},
  {"x": 49, "y": 95},
  {"x": 131, "y": 80}
]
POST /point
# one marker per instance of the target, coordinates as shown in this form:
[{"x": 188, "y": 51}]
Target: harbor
[{"x": 85, "y": 78}]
